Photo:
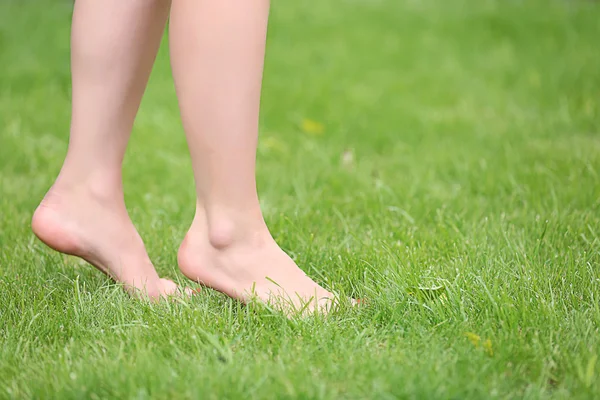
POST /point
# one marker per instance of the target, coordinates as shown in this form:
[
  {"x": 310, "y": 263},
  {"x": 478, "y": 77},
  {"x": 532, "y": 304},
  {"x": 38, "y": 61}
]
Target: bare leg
[
  {"x": 113, "y": 47},
  {"x": 217, "y": 51}
]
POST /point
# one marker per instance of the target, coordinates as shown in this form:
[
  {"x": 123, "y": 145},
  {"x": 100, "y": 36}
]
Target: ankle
[
  {"x": 227, "y": 233},
  {"x": 99, "y": 187},
  {"x": 95, "y": 180},
  {"x": 226, "y": 229}
]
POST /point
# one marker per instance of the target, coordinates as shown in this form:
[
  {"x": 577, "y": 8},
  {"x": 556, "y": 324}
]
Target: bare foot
[
  {"x": 97, "y": 229},
  {"x": 249, "y": 268}
]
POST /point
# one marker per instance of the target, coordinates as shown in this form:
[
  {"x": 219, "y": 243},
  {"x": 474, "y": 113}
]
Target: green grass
[{"x": 475, "y": 133}]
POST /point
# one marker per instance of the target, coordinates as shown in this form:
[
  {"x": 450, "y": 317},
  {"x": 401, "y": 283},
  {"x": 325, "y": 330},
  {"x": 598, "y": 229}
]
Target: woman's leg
[
  {"x": 113, "y": 47},
  {"x": 217, "y": 51}
]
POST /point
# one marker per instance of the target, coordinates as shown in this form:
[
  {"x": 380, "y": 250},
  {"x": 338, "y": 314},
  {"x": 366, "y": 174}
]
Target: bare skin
[
  {"x": 249, "y": 268},
  {"x": 113, "y": 46},
  {"x": 217, "y": 52}
]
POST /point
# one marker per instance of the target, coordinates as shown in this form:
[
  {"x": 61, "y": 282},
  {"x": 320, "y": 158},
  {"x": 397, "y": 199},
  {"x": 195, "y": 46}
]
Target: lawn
[{"x": 405, "y": 144}]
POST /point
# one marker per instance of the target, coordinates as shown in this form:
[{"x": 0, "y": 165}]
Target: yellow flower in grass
[
  {"x": 473, "y": 338},
  {"x": 312, "y": 127},
  {"x": 486, "y": 345}
]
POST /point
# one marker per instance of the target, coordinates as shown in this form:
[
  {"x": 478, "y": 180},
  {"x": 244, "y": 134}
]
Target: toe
[{"x": 170, "y": 288}]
